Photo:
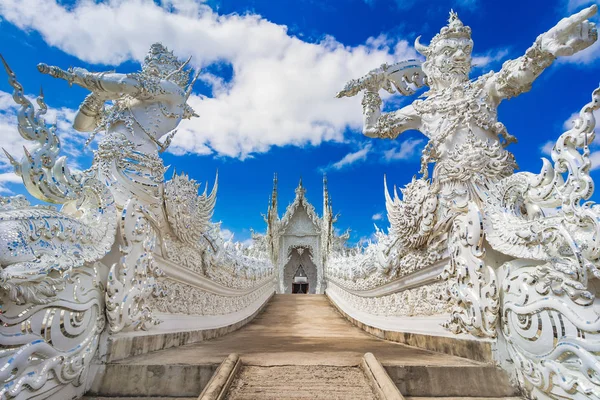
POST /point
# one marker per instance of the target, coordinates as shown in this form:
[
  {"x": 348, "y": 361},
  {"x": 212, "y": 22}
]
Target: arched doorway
[{"x": 300, "y": 272}]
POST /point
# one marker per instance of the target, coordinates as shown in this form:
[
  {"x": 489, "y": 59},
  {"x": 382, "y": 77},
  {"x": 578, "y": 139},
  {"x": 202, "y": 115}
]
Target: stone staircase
[
  {"x": 300, "y": 382},
  {"x": 300, "y": 347}
]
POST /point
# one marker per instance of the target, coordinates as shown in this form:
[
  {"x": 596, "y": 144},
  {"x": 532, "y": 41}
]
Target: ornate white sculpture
[
  {"x": 516, "y": 268},
  {"x": 54, "y": 284}
]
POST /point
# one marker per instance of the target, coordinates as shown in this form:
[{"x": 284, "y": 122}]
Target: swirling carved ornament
[
  {"x": 473, "y": 287},
  {"x": 549, "y": 308}
]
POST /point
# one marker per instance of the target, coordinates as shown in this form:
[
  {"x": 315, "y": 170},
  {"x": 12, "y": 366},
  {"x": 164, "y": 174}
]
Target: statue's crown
[
  {"x": 454, "y": 30},
  {"x": 167, "y": 64}
]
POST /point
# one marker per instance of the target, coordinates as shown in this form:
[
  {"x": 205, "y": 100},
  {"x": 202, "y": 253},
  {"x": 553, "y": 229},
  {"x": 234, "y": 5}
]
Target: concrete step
[{"x": 300, "y": 382}]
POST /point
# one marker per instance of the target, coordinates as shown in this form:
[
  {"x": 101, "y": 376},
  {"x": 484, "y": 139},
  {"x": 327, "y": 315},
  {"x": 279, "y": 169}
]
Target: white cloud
[
  {"x": 247, "y": 243},
  {"x": 377, "y": 217},
  {"x": 547, "y": 148},
  {"x": 8, "y": 177},
  {"x": 466, "y": 3},
  {"x": 489, "y": 57},
  {"x": 575, "y": 5},
  {"x": 282, "y": 90},
  {"x": 405, "y": 151},
  {"x": 351, "y": 158},
  {"x": 226, "y": 234}
]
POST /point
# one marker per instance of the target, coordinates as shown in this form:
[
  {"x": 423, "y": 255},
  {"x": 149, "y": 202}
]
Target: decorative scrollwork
[
  {"x": 133, "y": 279},
  {"x": 549, "y": 315},
  {"x": 472, "y": 284}
]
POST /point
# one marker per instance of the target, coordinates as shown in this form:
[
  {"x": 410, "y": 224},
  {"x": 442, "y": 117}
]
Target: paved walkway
[{"x": 298, "y": 330}]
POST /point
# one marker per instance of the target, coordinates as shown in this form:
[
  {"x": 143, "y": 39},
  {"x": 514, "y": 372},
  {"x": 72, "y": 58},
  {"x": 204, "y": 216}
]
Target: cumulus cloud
[
  {"x": 575, "y": 5},
  {"x": 377, "y": 217},
  {"x": 488, "y": 58},
  {"x": 282, "y": 89},
  {"x": 406, "y": 150},
  {"x": 350, "y": 158},
  {"x": 8, "y": 177},
  {"x": 547, "y": 148},
  {"x": 226, "y": 234}
]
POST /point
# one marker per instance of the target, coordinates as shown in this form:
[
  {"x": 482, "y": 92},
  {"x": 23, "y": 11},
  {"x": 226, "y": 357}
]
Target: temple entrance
[
  {"x": 300, "y": 283},
  {"x": 300, "y": 272}
]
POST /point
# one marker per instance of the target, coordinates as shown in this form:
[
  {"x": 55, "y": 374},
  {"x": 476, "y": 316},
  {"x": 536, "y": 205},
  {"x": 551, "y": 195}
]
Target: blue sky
[{"x": 271, "y": 69}]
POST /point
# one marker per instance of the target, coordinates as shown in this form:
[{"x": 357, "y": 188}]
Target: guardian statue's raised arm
[
  {"x": 148, "y": 104},
  {"x": 568, "y": 37}
]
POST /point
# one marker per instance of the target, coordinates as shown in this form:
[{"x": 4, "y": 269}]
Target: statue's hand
[
  {"x": 72, "y": 75},
  {"x": 372, "y": 81},
  {"x": 571, "y": 34}
]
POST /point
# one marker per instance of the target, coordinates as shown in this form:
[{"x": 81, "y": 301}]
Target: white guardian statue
[
  {"x": 521, "y": 249},
  {"x": 125, "y": 245}
]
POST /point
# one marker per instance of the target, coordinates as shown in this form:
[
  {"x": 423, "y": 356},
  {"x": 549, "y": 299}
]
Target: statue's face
[
  {"x": 450, "y": 59},
  {"x": 163, "y": 70},
  {"x": 157, "y": 69}
]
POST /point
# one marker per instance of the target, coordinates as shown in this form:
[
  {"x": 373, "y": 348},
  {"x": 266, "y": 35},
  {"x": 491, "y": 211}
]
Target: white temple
[
  {"x": 490, "y": 277},
  {"x": 300, "y": 241}
]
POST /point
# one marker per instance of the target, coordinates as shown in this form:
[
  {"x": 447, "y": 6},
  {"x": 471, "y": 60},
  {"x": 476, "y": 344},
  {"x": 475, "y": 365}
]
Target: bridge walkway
[{"x": 302, "y": 330}]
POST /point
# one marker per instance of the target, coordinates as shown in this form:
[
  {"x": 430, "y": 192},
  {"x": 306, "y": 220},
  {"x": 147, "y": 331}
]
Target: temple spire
[
  {"x": 325, "y": 196},
  {"x": 300, "y": 189},
  {"x": 274, "y": 194}
]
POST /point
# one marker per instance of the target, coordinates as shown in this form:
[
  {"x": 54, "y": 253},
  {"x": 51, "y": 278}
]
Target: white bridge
[{"x": 483, "y": 286}]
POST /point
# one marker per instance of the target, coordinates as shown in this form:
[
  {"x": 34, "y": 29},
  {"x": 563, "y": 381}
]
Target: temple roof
[{"x": 300, "y": 201}]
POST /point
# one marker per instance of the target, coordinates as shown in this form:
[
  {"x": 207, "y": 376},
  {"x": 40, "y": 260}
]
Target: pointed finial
[
  {"x": 453, "y": 20},
  {"x": 11, "y": 159},
  {"x": 188, "y": 91},
  {"x": 6, "y": 67},
  {"x": 453, "y": 15}
]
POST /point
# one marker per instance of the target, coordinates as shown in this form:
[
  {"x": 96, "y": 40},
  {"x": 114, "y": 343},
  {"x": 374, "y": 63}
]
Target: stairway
[
  {"x": 300, "y": 346},
  {"x": 300, "y": 382}
]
